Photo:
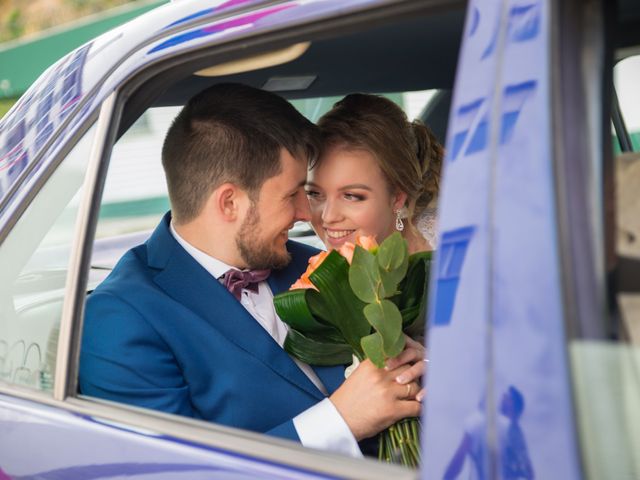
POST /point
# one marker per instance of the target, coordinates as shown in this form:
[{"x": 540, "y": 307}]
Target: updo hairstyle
[{"x": 408, "y": 153}]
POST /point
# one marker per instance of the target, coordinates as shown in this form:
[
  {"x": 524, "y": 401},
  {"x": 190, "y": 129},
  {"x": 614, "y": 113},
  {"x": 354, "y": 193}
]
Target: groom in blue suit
[{"x": 185, "y": 323}]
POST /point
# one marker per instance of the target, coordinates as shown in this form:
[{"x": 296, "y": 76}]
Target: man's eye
[{"x": 312, "y": 193}]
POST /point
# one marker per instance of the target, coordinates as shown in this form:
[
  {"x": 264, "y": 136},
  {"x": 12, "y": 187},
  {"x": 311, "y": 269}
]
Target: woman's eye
[
  {"x": 312, "y": 194},
  {"x": 353, "y": 197}
]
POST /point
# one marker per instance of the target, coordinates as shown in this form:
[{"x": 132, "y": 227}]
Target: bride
[{"x": 377, "y": 173}]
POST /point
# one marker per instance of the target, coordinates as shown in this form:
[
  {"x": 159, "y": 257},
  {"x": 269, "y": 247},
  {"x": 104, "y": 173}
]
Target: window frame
[{"x": 579, "y": 53}]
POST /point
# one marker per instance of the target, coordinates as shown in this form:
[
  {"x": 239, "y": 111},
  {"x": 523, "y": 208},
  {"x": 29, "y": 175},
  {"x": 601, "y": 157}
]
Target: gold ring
[{"x": 408, "y": 390}]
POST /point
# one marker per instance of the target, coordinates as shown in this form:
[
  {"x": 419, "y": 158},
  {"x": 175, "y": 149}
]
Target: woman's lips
[{"x": 338, "y": 237}]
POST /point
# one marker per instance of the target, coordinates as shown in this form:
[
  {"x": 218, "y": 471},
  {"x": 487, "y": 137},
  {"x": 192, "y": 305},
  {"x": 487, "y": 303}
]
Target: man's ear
[{"x": 226, "y": 201}]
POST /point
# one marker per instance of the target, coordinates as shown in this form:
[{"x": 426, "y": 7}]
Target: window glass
[
  {"x": 627, "y": 201},
  {"x": 135, "y": 193},
  {"x": 34, "y": 258},
  {"x": 627, "y": 79}
]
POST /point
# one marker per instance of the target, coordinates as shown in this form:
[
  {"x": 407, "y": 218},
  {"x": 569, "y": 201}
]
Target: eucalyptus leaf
[
  {"x": 314, "y": 352},
  {"x": 364, "y": 276},
  {"x": 366, "y": 284},
  {"x": 396, "y": 348},
  {"x": 372, "y": 346},
  {"x": 362, "y": 256},
  {"x": 392, "y": 252},
  {"x": 387, "y": 321},
  {"x": 390, "y": 282}
]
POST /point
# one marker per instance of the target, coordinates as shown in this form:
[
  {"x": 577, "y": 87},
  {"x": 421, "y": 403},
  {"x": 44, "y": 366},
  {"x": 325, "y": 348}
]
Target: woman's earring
[{"x": 399, "y": 222}]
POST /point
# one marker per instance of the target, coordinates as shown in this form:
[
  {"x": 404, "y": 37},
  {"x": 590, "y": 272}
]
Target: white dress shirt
[{"x": 320, "y": 426}]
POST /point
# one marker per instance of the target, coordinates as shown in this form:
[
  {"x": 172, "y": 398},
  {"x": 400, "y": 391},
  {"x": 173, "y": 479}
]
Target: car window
[
  {"x": 627, "y": 181},
  {"x": 135, "y": 193},
  {"x": 134, "y": 197},
  {"x": 34, "y": 258},
  {"x": 627, "y": 78}
]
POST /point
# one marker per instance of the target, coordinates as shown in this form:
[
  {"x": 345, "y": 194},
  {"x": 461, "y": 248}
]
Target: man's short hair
[{"x": 231, "y": 133}]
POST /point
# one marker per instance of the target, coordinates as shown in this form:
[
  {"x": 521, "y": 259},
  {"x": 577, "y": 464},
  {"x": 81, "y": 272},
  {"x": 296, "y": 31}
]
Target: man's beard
[{"x": 257, "y": 253}]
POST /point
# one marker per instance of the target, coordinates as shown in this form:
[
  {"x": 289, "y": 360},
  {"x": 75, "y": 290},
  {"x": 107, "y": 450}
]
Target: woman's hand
[
  {"x": 415, "y": 355},
  {"x": 371, "y": 399}
]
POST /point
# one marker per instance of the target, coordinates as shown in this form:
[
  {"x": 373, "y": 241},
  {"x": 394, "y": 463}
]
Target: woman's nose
[{"x": 330, "y": 212}]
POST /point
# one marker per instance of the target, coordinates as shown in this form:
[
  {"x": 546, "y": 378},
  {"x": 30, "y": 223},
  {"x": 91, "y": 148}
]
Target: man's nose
[{"x": 303, "y": 211}]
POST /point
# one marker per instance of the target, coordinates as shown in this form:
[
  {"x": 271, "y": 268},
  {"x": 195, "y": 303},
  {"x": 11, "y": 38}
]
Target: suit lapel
[
  {"x": 183, "y": 279},
  {"x": 331, "y": 377}
]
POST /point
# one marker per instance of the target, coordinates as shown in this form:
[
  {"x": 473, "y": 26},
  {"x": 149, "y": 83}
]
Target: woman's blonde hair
[{"x": 408, "y": 153}]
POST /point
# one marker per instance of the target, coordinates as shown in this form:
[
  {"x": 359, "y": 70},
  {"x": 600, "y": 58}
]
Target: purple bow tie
[{"x": 235, "y": 280}]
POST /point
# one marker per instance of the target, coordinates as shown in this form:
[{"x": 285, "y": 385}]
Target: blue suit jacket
[{"x": 160, "y": 332}]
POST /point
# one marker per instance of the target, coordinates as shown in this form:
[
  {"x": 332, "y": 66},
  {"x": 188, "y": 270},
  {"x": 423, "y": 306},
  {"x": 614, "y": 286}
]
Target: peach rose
[
  {"x": 346, "y": 250},
  {"x": 304, "y": 281},
  {"x": 368, "y": 242},
  {"x": 315, "y": 261}
]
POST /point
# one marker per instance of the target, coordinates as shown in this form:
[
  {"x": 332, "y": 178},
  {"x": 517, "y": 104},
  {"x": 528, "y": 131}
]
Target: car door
[
  {"x": 497, "y": 340},
  {"x": 532, "y": 343}
]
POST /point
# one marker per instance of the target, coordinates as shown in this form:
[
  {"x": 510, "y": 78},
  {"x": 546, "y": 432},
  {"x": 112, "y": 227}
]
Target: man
[{"x": 178, "y": 327}]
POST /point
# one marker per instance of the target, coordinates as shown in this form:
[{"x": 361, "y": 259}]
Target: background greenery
[{"x": 19, "y": 18}]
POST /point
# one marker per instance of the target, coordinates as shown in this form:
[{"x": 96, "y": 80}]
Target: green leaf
[
  {"x": 315, "y": 352},
  {"x": 393, "y": 260},
  {"x": 414, "y": 285},
  {"x": 387, "y": 321},
  {"x": 390, "y": 282},
  {"x": 413, "y": 298},
  {"x": 396, "y": 348},
  {"x": 336, "y": 303},
  {"x": 392, "y": 252},
  {"x": 409, "y": 315},
  {"x": 328, "y": 325},
  {"x": 364, "y": 276},
  {"x": 372, "y": 346},
  {"x": 293, "y": 309}
]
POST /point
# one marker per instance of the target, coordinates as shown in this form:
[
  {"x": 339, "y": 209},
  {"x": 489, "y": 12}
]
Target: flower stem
[{"x": 400, "y": 443}]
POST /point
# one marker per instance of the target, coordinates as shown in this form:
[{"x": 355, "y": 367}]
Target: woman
[{"x": 378, "y": 173}]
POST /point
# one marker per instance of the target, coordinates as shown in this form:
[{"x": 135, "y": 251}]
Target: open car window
[
  {"x": 343, "y": 60},
  {"x": 135, "y": 193}
]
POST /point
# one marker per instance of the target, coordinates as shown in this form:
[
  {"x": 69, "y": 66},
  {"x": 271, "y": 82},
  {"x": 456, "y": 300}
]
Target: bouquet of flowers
[{"x": 356, "y": 303}]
